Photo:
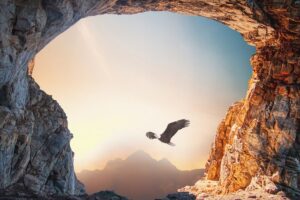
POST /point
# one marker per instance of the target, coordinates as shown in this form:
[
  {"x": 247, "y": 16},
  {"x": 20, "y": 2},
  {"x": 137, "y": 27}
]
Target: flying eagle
[{"x": 170, "y": 131}]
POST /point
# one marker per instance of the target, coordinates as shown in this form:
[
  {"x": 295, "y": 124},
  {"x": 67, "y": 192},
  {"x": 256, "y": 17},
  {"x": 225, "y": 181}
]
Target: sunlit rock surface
[
  {"x": 205, "y": 189},
  {"x": 259, "y": 138}
]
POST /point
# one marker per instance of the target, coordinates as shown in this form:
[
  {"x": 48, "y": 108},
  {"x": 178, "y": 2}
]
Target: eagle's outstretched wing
[{"x": 172, "y": 129}]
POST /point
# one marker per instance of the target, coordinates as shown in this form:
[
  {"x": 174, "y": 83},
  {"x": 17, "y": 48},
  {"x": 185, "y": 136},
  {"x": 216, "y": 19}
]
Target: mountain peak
[
  {"x": 165, "y": 162},
  {"x": 148, "y": 178},
  {"x": 139, "y": 155},
  {"x": 113, "y": 163}
]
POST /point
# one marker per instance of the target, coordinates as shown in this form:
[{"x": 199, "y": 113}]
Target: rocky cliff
[
  {"x": 258, "y": 138},
  {"x": 35, "y": 155}
]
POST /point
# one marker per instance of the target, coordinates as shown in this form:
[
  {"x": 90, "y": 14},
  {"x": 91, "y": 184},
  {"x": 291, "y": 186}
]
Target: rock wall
[
  {"x": 259, "y": 136},
  {"x": 35, "y": 154}
]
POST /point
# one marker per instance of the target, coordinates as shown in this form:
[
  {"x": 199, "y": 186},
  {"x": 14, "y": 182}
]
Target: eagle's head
[{"x": 151, "y": 135}]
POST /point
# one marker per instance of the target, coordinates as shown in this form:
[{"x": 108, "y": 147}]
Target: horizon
[
  {"x": 130, "y": 155},
  {"x": 130, "y": 86}
]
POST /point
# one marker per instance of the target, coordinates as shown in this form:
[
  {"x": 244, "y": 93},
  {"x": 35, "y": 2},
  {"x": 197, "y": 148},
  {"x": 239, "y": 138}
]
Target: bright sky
[{"x": 118, "y": 77}]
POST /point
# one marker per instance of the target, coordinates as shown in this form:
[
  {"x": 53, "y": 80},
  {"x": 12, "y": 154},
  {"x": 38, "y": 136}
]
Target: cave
[{"x": 257, "y": 140}]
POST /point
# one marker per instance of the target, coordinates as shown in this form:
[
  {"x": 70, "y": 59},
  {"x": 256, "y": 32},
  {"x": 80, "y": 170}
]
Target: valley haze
[{"x": 139, "y": 176}]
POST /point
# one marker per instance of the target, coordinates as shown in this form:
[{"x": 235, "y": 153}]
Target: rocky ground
[
  {"x": 104, "y": 195},
  {"x": 208, "y": 190}
]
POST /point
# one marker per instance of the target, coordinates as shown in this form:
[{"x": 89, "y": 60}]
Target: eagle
[{"x": 170, "y": 131}]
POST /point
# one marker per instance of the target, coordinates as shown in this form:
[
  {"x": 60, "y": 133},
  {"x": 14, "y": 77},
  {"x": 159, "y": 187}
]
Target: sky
[{"x": 118, "y": 77}]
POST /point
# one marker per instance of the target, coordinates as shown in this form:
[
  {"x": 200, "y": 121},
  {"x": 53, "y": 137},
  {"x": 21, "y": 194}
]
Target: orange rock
[{"x": 282, "y": 90}]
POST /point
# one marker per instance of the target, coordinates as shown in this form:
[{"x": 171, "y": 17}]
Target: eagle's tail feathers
[{"x": 171, "y": 144}]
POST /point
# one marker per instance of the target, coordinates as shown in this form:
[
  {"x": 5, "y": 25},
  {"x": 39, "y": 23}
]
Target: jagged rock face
[
  {"x": 35, "y": 153},
  {"x": 259, "y": 136},
  {"x": 222, "y": 138}
]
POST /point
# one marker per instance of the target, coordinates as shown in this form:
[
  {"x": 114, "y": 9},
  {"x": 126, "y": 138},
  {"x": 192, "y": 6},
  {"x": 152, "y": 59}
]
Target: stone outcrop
[
  {"x": 179, "y": 196},
  {"x": 261, "y": 133},
  {"x": 206, "y": 189},
  {"x": 104, "y": 195},
  {"x": 259, "y": 136},
  {"x": 35, "y": 153}
]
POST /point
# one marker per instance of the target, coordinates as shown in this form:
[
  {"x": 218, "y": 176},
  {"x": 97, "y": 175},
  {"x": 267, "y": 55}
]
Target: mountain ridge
[{"x": 149, "y": 178}]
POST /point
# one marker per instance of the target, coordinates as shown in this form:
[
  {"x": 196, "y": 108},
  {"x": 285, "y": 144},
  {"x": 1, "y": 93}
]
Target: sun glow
[
  {"x": 118, "y": 77},
  {"x": 90, "y": 41}
]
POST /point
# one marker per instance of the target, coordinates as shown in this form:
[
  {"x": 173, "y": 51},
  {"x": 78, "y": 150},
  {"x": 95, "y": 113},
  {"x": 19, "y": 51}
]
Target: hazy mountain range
[{"x": 139, "y": 177}]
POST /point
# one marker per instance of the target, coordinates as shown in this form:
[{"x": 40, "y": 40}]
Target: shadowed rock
[{"x": 179, "y": 196}]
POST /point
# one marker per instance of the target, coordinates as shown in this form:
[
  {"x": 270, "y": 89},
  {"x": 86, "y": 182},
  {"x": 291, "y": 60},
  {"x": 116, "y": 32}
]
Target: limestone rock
[
  {"x": 210, "y": 190},
  {"x": 224, "y": 135},
  {"x": 104, "y": 195},
  {"x": 35, "y": 152},
  {"x": 265, "y": 130}
]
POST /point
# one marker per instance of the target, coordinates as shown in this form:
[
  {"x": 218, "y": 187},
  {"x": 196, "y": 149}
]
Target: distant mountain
[{"x": 139, "y": 177}]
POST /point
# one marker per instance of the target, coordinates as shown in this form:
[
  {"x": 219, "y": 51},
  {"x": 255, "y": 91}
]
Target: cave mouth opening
[
  {"x": 129, "y": 80},
  {"x": 271, "y": 105}
]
